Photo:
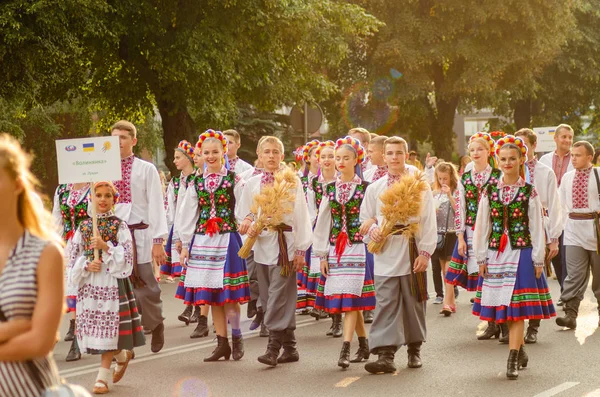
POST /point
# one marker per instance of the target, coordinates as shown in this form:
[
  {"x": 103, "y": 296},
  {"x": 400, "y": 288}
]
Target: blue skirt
[
  {"x": 457, "y": 273},
  {"x": 530, "y": 300},
  {"x": 339, "y": 303},
  {"x": 169, "y": 268},
  {"x": 236, "y": 288}
]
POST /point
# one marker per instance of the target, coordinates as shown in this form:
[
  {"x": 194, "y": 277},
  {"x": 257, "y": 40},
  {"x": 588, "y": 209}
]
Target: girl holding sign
[{"x": 108, "y": 322}]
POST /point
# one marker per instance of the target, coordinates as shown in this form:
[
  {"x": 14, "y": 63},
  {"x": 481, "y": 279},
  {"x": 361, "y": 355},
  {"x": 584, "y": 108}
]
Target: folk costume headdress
[
  {"x": 355, "y": 144},
  {"x": 496, "y": 135},
  {"x": 489, "y": 142},
  {"x": 187, "y": 149},
  {"x": 323, "y": 145},
  {"x": 218, "y": 135},
  {"x": 299, "y": 153}
]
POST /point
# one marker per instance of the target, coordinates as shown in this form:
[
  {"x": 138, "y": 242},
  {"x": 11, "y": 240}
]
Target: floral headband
[
  {"x": 515, "y": 141},
  {"x": 308, "y": 147},
  {"x": 486, "y": 137},
  {"x": 355, "y": 144},
  {"x": 218, "y": 135},
  {"x": 187, "y": 149},
  {"x": 497, "y": 135},
  {"x": 324, "y": 145},
  {"x": 112, "y": 187},
  {"x": 299, "y": 153}
]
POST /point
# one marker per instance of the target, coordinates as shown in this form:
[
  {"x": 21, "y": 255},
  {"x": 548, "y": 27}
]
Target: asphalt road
[{"x": 562, "y": 363}]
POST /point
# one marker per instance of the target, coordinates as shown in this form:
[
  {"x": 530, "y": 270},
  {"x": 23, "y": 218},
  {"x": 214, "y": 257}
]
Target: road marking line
[
  {"x": 347, "y": 381},
  {"x": 558, "y": 389},
  {"x": 93, "y": 368},
  {"x": 595, "y": 393}
]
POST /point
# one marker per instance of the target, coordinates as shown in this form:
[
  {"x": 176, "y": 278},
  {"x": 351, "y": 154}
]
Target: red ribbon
[
  {"x": 212, "y": 226},
  {"x": 340, "y": 245},
  {"x": 503, "y": 242}
]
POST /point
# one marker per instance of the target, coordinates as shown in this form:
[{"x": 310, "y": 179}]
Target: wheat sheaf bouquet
[
  {"x": 401, "y": 201},
  {"x": 271, "y": 206}
]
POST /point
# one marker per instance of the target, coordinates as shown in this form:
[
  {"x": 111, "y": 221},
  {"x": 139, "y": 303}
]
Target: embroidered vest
[
  {"x": 319, "y": 191},
  {"x": 71, "y": 216},
  {"x": 304, "y": 180},
  {"x": 514, "y": 217},
  {"x": 472, "y": 194},
  {"x": 348, "y": 212},
  {"x": 224, "y": 202},
  {"x": 108, "y": 229}
]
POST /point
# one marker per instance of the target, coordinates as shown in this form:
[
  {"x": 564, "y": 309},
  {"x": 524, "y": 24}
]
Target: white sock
[
  {"x": 121, "y": 357},
  {"x": 104, "y": 374}
]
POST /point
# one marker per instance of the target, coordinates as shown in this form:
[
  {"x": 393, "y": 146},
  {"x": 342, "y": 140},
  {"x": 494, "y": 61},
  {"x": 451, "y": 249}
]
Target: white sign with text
[
  {"x": 545, "y": 139},
  {"x": 88, "y": 159}
]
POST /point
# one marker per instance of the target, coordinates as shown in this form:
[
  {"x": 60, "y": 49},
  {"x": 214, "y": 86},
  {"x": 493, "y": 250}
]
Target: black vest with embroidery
[
  {"x": 472, "y": 193},
  {"x": 349, "y": 211},
  {"x": 319, "y": 192},
  {"x": 224, "y": 200},
  {"x": 108, "y": 228},
  {"x": 514, "y": 217},
  {"x": 68, "y": 214}
]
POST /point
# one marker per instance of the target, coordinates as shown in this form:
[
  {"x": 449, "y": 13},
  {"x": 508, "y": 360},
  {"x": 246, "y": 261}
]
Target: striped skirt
[
  {"x": 235, "y": 285},
  {"x": 308, "y": 281},
  {"x": 171, "y": 267},
  {"x": 530, "y": 296},
  {"x": 463, "y": 271}
]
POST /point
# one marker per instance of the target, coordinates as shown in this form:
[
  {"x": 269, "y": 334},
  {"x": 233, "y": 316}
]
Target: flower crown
[
  {"x": 212, "y": 134},
  {"x": 497, "y": 135},
  {"x": 514, "y": 140},
  {"x": 355, "y": 143},
  {"x": 299, "y": 153},
  {"x": 307, "y": 148},
  {"x": 187, "y": 148},
  {"x": 112, "y": 187},
  {"x": 485, "y": 136},
  {"x": 323, "y": 145}
]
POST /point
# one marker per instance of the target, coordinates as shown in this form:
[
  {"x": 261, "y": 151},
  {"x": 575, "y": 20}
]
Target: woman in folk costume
[
  {"x": 463, "y": 269},
  {"x": 215, "y": 274},
  {"x": 108, "y": 322},
  {"x": 347, "y": 282},
  {"x": 509, "y": 244},
  {"x": 308, "y": 278},
  {"x": 69, "y": 210}
]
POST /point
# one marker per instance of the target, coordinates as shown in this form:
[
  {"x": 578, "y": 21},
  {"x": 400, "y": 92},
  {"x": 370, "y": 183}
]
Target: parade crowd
[{"x": 347, "y": 235}]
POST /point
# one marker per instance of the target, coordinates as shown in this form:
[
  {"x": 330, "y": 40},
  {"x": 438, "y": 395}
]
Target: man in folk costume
[
  {"x": 580, "y": 197},
  {"x": 234, "y": 142},
  {"x": 400, "y": 278},
  {"x": 560, "y": 162},
  {"x": 141, "y": 206},
  {"x": 375, "y": 151},
  {"x": 544, "y": 180},
  {"x": 275, "y": 249}
]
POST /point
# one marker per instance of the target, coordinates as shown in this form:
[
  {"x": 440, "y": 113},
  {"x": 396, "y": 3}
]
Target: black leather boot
[
  {"x": 368, "y": 316},
  {"x": 414, "y": 355},
  {"x": 337, "y": 330},
  {"x": 71, "y": 333},
  {"x": 490, "y": 332},
  {"x": 264, "y": 332},
  {"x": 512, "y": 371},
  {"x": 504, "y": 338},
  {"x": 570, "y": 319},
  {"x": 258, "y": 319},
  {"x": 290, "y": 353},
  {"x": 222, "y": 350},
  {"x": 186, "y": 315},
  {"x": 251, "y": 310},
  {"x": 344, "y": 360},
  {"x": 523, "y": 358},
  {"x": 273, "y": 347},
  {"x": 237, "y": 347},
  {"x": 201, "y": 329},
  {"x": 532, "y": 331},
  {"x": 385, "y": 362},
  {"x": 196, "y": 315},
  {"x": 318, "y": 314},
  {"x": 330, "y": 330},
  {"x": 363, "y": 350},
  {"x": 74, "y": 353}
]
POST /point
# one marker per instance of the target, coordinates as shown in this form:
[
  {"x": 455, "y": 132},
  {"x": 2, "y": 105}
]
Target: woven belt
[
  {"x": 586, "y": 216},
  {"x": 135, "y": 278}
]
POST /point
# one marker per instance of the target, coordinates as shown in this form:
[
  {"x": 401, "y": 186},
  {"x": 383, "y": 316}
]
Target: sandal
[
  {"x": 452, "y": 308},
  {"x": 100, "y": 387},
  {"x": 122, "y": 367},
  {"x": 446, "y": 311}
]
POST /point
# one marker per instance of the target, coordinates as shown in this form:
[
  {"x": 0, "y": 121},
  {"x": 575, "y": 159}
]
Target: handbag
[
  {"x": 63, "y": 389},
  {"x": 441, "y": 236}
]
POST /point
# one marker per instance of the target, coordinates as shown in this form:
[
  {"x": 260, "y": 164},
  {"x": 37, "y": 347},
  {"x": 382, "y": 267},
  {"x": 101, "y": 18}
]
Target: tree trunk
[
  {"x": 177, "y": 125},
  {"x": 522, "y": 113},
  {"x": 442, "y": 131}
]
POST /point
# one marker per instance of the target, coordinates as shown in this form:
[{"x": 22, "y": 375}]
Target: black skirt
[{"x": 445, "y": 254}]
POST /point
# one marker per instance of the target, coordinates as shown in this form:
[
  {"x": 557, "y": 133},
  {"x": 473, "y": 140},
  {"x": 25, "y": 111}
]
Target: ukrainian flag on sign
[{"x": 88, "y": 147}]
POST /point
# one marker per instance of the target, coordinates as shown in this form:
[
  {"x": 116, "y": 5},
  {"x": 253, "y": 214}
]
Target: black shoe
[
  {"x": 330, "y": 330},
  {"x": 456, "y": 291},
  {"x": 504, "y": 338},
  {"x": 237, "y": 347},
  {"x": 384, "y": 364},
  {"x": 490, "y": 332},
  {"x": 344, "y": 360},
  {"x": 74, "y": 353},
  {"x": 337, "y": 330},
  {"x": 258, "y": 319},
  {"x": 560, "y": 302},
  {"x": 523, "y": 358},
  {"x": 158, "y": 338},
  {"x": 251, "y": 310},
  {"x": 196, "y": 315},
  {"x": 567, "y": 321},
  {"x": 222, "y": 350},
  {"x": 512, "y": 371},
  {"x": 273, "y": 347},
  {"x": 71, "y": 333},
  {"x": 414, "y": 355},
  {"x": 290, "y": 353},
  {"x": 201, "y": 329},
  {"x": 363, "y": 350},
  {"x": 186, "y": 315},
  {"x": 318, "y": 314},
  {"x": 532, "y": 331},
  {"x": 264, "y": 332},
  {"x": 472, "y": 300},
  {"x": 368, "y": 316}
]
